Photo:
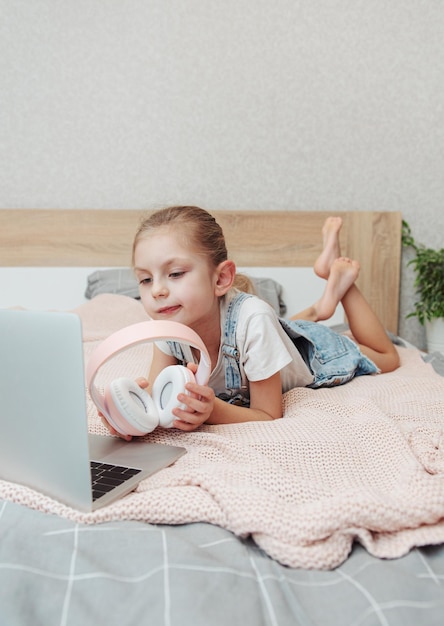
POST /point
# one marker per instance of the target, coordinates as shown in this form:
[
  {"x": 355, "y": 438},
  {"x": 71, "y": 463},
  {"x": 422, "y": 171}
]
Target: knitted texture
[{"x": 360, "y": 462}]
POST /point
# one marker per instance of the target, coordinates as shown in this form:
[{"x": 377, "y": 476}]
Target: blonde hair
[{"x": 199, "y": 229}]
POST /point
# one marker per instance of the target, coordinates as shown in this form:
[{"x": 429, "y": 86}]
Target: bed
[{"x": 332, "y": 515}]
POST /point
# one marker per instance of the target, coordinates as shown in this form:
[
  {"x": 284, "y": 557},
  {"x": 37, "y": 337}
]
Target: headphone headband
[{"x": 149, "y": 331}]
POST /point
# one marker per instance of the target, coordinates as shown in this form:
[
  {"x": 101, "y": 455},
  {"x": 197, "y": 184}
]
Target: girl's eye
[
  {"x": 145, "y": 281},
  {"x": 176, "y": 274}
]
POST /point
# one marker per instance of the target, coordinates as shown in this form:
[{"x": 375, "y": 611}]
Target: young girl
[{"x": 180, "y": 260}]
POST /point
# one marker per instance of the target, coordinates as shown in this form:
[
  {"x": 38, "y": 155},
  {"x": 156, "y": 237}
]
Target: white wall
[{"x": 309, "y": 104}]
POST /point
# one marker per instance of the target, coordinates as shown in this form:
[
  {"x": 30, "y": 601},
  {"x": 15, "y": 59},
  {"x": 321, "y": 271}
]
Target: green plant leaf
[{"x": 428, "y": 265}]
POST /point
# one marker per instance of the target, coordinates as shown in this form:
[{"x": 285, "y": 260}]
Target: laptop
[{"x": 44, "y": 439}]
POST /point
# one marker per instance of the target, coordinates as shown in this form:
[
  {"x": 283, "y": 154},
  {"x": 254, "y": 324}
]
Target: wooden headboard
[{"x": 103, "y": 238}]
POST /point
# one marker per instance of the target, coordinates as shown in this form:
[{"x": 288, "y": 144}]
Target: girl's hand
[
  {"x": 112, "y": 430},
  {"x": 199, "y": 405}
]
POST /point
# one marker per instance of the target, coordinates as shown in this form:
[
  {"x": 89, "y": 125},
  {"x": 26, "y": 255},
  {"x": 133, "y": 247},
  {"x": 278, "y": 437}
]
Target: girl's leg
[
  {"x": 331, "y": 248},
  {"x": 341, "y": 274},
  {"x": 364, "y": 325},
  {"x": 325, "y": 308},
  {"x": 368, "y": 331}
]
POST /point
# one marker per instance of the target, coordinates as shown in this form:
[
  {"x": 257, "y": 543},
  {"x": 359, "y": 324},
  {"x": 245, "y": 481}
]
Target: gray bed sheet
[{"x": 56, "y": 573}]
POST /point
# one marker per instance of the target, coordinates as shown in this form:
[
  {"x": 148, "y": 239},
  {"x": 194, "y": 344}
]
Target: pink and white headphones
[{"x": 129, "y": 409}]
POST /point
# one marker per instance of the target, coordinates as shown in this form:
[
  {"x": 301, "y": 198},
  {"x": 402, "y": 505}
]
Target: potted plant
[{"x": 428, "y": 265}]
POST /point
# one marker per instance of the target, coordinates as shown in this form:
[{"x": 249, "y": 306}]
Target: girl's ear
[{"x": 225, "y": 273}]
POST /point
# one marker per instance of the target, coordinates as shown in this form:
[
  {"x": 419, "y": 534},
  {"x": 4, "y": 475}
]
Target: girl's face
[{"x": 176, "y": 282}]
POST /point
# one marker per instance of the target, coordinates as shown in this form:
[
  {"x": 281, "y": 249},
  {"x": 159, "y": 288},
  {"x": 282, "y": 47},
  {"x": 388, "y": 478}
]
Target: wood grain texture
[{"x": 103, "y": 238}]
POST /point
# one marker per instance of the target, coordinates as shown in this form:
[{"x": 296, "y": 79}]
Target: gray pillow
[{"x": 121, "y": 281}]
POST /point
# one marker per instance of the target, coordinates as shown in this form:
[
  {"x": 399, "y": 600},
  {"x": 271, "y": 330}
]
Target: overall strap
[
  {"x": 230, "y": 352},
  {"x": 182, "y": 353}
]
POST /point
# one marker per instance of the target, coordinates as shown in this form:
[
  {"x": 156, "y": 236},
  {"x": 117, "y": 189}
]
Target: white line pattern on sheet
[
  {"x": 264, "y": 594},
  {"x": 374, "y": 605},
  {"x": 72, "y": 567},
  {"x": 431, "y": 574},
  {"x": 217, "y": 543},
  {"x": 389, "y": 606},
  {"x": 166, "y": 582}
]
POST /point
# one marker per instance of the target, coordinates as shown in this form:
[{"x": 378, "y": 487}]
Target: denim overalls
[{"x": 332, "y": 358}]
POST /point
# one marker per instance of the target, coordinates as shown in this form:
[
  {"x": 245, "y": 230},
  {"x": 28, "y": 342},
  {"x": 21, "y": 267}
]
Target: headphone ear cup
[
  {"x": 168, "y": 384},
  {"x": 131, "y": 408}
]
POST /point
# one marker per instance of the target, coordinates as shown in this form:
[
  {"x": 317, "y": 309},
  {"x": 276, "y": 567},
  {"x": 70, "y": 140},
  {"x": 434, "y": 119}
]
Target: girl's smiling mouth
[{"x": 169, "y": 310}]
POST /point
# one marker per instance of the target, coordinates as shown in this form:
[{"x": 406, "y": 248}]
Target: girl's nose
[{"x": 159, "y": 289}]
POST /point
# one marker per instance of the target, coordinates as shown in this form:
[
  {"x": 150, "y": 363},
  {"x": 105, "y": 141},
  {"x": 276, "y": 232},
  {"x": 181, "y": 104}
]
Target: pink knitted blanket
[{"x": 361, "y": 462}]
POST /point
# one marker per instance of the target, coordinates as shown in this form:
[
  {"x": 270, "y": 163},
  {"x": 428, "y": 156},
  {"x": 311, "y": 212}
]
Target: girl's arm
[
  {"x": 265, "y": 404},
  {"x": 204, "y": 407}
]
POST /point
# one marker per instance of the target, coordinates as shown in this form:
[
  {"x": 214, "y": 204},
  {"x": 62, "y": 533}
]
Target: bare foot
[
  {"x": 331, "y": 249},
  {"x": 343, "y": 274}
]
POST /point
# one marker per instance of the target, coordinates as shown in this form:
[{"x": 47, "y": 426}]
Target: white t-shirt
[{"x": 264, "y": 348}]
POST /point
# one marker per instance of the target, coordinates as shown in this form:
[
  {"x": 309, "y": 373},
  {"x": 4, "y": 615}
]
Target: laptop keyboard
[{"x": 105, "y": 477}]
